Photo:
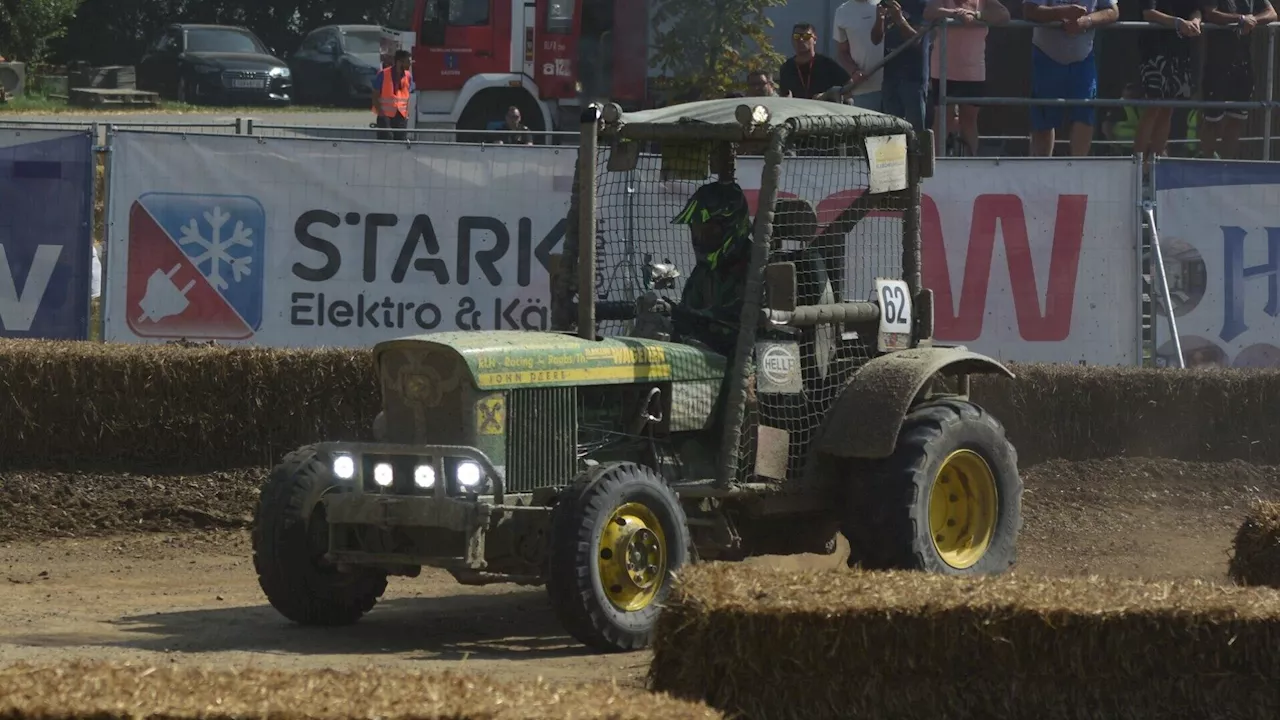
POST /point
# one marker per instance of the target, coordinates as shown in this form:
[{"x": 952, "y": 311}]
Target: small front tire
[
  {"x": 617, "y": 536},
  {"x": 290, "y": 539}
]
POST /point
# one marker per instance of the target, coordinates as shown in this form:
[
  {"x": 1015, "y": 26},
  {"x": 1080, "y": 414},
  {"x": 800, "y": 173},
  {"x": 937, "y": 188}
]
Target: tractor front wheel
[
  {"x": 949, "y": 500},
  {"x": 617, "y": 536},
  {"x": 290, "y": 540}
]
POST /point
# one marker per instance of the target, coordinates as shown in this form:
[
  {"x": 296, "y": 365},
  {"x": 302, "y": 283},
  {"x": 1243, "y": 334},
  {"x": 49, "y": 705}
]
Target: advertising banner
[
  {"x": 1219, "y": 228},
  {"x": 303, "y": 243},
  {"x": 46, "y": 214},
  {"x": 1029, "y": 260}
]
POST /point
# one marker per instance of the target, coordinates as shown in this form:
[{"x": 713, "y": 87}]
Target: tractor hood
[{"x": 509, "y": 359}]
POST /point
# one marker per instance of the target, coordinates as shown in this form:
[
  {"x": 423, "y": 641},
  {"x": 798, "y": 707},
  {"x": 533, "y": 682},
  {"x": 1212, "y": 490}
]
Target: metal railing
[
  {"x": 1266, "y": 105},
  {"x": 249, "y": 126},
  {"x": 419, "y": 135}
]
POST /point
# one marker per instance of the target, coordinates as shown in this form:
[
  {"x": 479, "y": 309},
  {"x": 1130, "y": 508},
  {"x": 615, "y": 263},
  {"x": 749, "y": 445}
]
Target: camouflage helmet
[{"x": 714, "y": 200}]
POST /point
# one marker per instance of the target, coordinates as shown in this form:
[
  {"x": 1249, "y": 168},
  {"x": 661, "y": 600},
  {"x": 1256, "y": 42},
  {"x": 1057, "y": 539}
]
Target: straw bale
[
  {"x": 776, "y": 644},
  {"x": 101, "y": 691},
  {"x": 172, "y": 408},
  {"x": 1077, "y": 412},
  {"x": 1255, "y": 553}
]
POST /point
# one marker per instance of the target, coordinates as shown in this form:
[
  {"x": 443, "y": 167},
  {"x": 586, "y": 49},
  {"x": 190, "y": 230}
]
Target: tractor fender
[{"x": 865, "y": 420}]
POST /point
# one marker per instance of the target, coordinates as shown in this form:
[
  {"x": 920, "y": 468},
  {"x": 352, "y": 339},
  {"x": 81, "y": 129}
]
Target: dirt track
[{"x": 188, "y": 593}]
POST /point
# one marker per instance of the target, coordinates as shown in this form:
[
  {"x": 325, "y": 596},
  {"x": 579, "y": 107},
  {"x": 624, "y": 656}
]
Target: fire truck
[{"x": 472, "y": 59}]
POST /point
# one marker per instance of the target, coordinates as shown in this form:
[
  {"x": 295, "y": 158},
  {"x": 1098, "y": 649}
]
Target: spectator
[
  {"x": 1165, "y": 70},
  {"x": 808, "y": 73},
  {"x": 760, "y": 84},
  {"x": 392, "y": 88},
  {"x": 855, "y": 51},
  {"x": 515, "y": 131},
  {"x": 902, "y": 91},
  {"x": 1063, "y": 66},
  {"x": 1121, "y": 123},
  {"x": 966, "y": 59},
  {"x": 1228, "y": 71}
]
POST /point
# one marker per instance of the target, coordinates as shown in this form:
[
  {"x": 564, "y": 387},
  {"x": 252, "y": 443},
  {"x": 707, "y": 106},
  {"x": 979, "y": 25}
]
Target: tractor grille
[{"x": 542, "y": 438}]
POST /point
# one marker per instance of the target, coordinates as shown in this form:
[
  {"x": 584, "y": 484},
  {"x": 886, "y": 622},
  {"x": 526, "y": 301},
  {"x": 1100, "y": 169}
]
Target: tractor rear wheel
[
  {"x": 617, "y": 536},
  {"x": 290, "y": 540},
  {"x": 949, "y": 500}
]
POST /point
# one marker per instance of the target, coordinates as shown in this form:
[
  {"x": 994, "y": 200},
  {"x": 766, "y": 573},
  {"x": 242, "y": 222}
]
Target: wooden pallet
[
  {"x": 98, "y": 97},
  {"x": 109, "y": 77}
]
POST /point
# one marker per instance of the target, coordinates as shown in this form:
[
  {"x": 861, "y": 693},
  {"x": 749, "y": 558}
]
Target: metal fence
[
  {"x": 1266, "y": 105},
  {"x": 250, "y": 126}
]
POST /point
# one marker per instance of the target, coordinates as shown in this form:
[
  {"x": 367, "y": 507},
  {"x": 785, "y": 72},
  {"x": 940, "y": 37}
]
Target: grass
[{"x": 40, "y": 104}]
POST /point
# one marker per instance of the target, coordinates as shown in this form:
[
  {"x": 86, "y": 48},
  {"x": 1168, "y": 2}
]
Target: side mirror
[
  {"x": 663, "y": 275},
  {"x": 780, "y": 284}
]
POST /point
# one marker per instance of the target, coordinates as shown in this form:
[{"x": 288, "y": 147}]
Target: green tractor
[{"x": 601, "y": 456}]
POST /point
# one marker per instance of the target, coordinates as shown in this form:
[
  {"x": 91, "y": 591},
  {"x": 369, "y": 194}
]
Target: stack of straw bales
[
  {"x": 100, "y": 691},
  {"x": 775, "y": 645},
  {"x": 1255, "y": 556},
  {"x": 196, "y": 409},
  {"x": 82, "y": 405}
]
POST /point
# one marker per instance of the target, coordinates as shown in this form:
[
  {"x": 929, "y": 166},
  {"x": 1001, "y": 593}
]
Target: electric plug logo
[
  {"x": 163, "y": 298},
  {"x": 195, "y": 266}
]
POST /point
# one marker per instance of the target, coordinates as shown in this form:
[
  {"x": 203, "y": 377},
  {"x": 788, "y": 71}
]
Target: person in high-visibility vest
[{"x": 392, "y": 87}]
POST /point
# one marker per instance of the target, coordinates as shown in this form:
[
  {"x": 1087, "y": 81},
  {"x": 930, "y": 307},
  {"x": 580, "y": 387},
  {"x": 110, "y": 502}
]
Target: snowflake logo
[{"x": 217, "y": 250}]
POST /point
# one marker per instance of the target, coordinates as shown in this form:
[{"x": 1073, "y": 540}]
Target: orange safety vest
[{"x": 394, "y": 98}]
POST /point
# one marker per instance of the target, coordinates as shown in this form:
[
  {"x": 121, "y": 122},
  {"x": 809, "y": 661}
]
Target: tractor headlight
[
  {"x": 424, "y": 476},
  {"x": 469, "y": 474},
  {"x": 344, "y": 467},
  {"x": 748, "y": 115},
  {"x": 383, "y": 474}
]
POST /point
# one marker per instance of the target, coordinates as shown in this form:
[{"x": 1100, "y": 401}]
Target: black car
[
  {"x": 214, "y": 64},
  {"x": 337, "y": 64}
]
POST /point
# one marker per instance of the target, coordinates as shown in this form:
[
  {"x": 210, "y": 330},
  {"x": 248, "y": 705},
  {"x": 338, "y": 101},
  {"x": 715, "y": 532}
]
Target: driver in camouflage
[{"x": 710, "y": 308}]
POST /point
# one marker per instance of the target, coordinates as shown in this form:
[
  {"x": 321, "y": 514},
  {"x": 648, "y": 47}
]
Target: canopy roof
[{"x": 721, "y": 115}]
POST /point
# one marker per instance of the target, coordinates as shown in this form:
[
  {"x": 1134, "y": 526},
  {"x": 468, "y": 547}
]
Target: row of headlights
[{"x": 468, "y": 473}]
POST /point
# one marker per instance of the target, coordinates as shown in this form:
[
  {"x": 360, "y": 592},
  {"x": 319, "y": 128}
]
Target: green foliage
[
  {"x": 28, "y": 26},
  {"x": 705, "y": 48}
]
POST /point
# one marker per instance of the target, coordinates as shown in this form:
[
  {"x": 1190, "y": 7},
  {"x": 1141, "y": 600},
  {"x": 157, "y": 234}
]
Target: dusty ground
[{"x": 184, "y": 590}]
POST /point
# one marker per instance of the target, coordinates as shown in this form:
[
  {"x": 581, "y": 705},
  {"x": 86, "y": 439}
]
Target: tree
[
  {"x": 705, "y": 48},
  {"x": 27, "y": 26}
]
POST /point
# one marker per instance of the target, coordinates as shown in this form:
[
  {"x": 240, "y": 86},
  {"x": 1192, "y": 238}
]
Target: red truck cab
[{"x": 474, "y": 58}]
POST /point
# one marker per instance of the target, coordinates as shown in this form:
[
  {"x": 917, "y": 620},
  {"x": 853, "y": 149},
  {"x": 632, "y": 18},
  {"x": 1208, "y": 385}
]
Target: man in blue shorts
[{"x": 1063, "y": 66}]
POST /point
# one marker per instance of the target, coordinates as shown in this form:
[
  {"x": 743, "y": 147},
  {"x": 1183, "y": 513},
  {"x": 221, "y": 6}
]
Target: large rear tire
[
  {"x": 948, "y": 501},
  {"x": 290, "y": 539},
  {"x": 617, "y": 537}
]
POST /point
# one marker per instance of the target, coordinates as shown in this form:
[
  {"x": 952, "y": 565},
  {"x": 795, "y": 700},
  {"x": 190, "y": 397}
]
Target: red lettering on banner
[
  {"x": 989, "y": 211},
  {"x": 965, "y": 324},
  {"x": 834, "y": 204}
]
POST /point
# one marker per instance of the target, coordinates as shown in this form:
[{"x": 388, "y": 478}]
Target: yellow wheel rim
[
  {"x": 632, "y": 558},
  {"x": 963, "y": 509}
]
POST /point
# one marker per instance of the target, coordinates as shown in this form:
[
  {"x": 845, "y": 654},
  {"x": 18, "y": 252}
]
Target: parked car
[
  {"x": 337, "y": 64},
  {"x": 214, "y": 64}
]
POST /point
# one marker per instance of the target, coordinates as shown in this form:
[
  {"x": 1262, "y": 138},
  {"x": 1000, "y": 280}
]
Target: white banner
[
  {"x": 1219, "y": 228},
  {"x": 1036, "y": 260},
  {"x": 291, "y": 242},
  {"x": 305, "y": 242},
  {"x": 1029, "y": 260}
]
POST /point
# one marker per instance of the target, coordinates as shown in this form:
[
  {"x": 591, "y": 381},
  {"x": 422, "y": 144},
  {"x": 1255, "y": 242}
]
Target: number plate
[
  {"x": 895, "y": 315},
  {"x": 248, "y": 83}
]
